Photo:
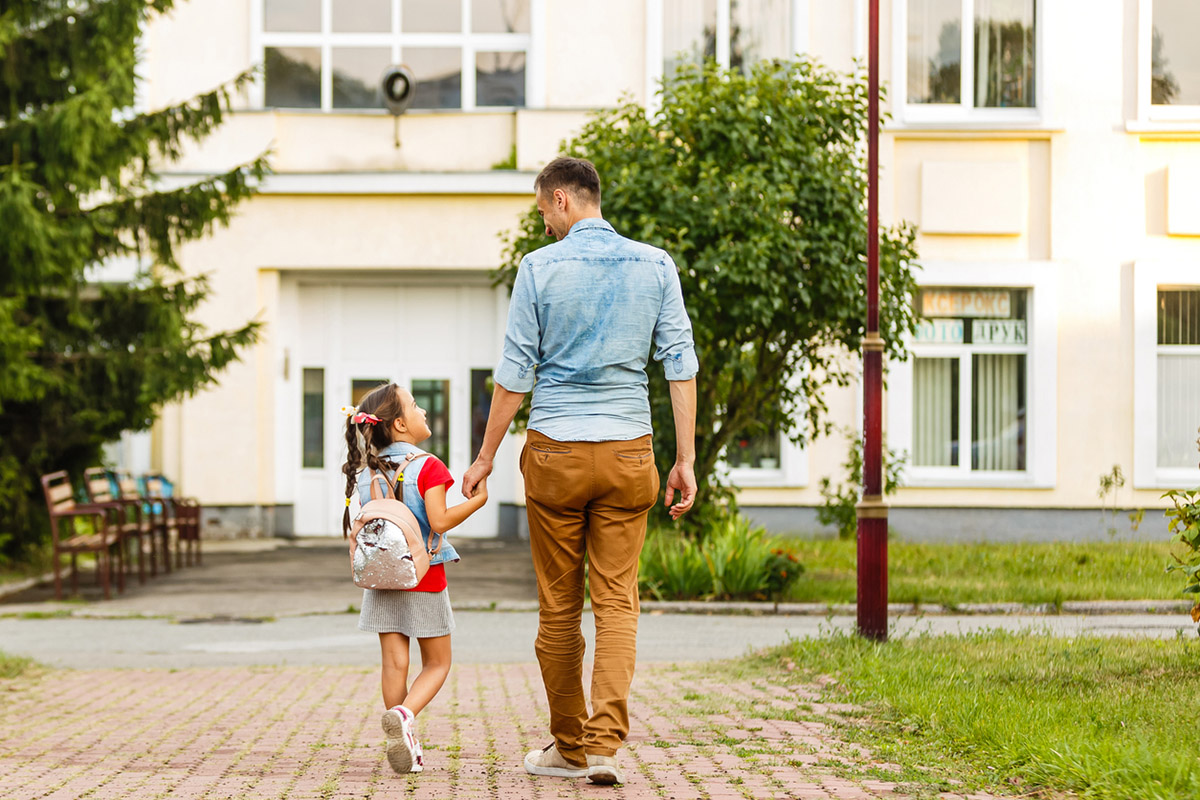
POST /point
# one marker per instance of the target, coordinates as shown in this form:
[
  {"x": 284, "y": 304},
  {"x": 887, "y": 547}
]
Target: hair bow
[{"x": 359, "y": 417}]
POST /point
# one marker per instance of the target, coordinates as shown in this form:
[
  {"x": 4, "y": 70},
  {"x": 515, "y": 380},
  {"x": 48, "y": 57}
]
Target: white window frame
[
  {"x": 655, "y": 52},
  {"x": 964, "y": 112},
  {"x": 1040, "y": 280},
  {"x": 1147, "y": 111},
  {"x": 532, "y": 44},
  {"x": 1148, "y": 278}
]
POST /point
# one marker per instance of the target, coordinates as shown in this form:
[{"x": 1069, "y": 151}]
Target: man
[{"x": 583, "y": 316}]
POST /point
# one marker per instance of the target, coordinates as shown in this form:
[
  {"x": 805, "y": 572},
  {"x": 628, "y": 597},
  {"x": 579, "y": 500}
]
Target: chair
[
  {"x": 185, "y": 511},
  {"x": 162, "y": 514},
  {"x": 129, "y": 517},
  {"x": 104, "y": 538}
]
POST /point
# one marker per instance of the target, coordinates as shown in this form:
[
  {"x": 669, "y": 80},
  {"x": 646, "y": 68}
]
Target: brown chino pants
[{"x": 587, "y": 498}]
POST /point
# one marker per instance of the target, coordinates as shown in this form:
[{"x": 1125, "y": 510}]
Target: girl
[{"x": 389, "y": 424}]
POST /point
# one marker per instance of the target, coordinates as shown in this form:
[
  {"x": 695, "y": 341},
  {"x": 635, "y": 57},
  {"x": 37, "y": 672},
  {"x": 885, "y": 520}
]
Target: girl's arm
[{"x": 443, "y": 519}]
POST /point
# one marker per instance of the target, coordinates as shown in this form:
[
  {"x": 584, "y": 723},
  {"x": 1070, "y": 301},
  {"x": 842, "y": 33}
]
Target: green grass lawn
[
  {"x": 1110, "y": 719},
  {"x": 952, "y": 574}
]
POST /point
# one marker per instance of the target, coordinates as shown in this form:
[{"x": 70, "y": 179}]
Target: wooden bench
[
  {"x": 104, "y": 538},
  {"x": 129, "y": 516},
  {"x": 182, "y": 514}
]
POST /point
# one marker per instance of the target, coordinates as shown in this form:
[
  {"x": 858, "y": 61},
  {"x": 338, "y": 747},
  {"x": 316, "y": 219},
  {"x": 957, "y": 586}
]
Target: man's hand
[
  {"x": 475, "y": 475},
  {"x": 683, "y": 480}
]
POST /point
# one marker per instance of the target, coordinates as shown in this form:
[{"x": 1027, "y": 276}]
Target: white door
[{"x": 437, "y": 340}]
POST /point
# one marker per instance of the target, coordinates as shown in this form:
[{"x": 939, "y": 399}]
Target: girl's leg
[
  {"x": 435, "y": 666},
  {"x": 394, "y": 649}
]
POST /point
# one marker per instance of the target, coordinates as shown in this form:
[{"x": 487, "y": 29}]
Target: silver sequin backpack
[{"x": 386, "y": 547}]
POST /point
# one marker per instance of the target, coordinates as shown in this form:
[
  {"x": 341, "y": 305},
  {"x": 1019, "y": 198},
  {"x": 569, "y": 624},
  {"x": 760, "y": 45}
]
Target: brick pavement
[{"x": 312, "y": 733}]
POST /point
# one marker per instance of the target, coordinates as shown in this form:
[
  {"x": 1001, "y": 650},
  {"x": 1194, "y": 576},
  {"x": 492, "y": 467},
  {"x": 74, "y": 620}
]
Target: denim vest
[{"x": 411, "y": 495}]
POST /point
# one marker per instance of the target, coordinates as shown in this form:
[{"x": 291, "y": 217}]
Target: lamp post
[{"x": 872, "y": 511}]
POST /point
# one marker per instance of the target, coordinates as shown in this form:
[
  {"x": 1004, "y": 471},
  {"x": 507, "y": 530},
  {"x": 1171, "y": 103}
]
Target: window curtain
[
  {"x": 1004, "y": 53},
  {"x": 1178, "y": 409},
  {"x": 689, "y": 32},
  {"x": 935, "y": 412},
  {"x": 759, "y": 29},
  {"x": 998, "y": 412}
]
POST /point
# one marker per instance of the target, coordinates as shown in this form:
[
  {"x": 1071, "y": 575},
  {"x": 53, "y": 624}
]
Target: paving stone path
[{"x": 312, "y": 733}]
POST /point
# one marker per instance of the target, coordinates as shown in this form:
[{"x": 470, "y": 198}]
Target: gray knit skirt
[{"x": 418, "y": 615}]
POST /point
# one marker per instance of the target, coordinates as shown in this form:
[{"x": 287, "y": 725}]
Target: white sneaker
[
  {"x": 550, "y": 762},
  {"x": 603, "y": 770},
  {"x": 403, "y": 749}
]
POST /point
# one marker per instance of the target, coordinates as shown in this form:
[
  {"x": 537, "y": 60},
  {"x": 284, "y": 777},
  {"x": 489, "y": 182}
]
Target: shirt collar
[{"x": 589, "y": 223}]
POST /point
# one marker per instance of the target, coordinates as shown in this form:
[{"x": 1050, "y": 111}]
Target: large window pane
[
  {"x": 500, "y": 79},
  {"x": 500, "y": 16},
  {"x": 423, "y": 16},
  {"x": 934, "y": 51},
  {"x": 434, "y": 397},
  {"x": 292, "y": 16},
  {"x": 935, "y": 412},
  {"x": 362, "y": 16},
  {"x": 293, "y": 77},
  {"x": 998, "y": 412},
  {"x": 760, "y": 30},
  {"x": 313, "y": 418},
  {"x": 439, "y": 76},
  {"x": 1004, "y": 53},
  {"x": 1174, "y": 56},
  {"x": 689, "y": 32},
  {"x": 356, "y": 73},
  {"x": 1178, "y": 377},
  {"x": 481, "y": 405}
]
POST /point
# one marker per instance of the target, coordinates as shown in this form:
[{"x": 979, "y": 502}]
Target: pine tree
[{"x": 82, "y": 360}]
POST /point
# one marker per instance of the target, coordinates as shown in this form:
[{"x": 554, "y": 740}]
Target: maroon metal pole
[{"x": 872, "y": 512}]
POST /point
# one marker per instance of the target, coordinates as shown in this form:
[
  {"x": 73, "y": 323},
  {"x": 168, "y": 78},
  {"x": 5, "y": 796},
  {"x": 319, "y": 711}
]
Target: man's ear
[{"x": 561, "y": 200}]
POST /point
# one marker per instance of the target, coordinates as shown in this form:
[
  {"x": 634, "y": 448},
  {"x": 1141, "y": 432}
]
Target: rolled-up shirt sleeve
[
  {"x": 673, "y": 343},
  {"x": 519, "y": 358}
]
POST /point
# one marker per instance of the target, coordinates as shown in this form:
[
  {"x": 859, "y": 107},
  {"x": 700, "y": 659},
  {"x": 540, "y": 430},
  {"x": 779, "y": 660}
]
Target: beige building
[{"x": 1049, "y": 152}]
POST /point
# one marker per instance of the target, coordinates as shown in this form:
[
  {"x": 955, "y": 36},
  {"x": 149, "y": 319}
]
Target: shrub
[
  {"x": 1184, "y": 524},
  {"x": 732, "y": 561}
]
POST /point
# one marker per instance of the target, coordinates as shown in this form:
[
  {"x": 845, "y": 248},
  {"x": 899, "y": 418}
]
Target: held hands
[
  {"x": 683, "y": 480},
  {"x": 475, "y": 478}
]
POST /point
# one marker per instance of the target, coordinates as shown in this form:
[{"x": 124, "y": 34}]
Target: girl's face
[{"x": 411, "y": 426}]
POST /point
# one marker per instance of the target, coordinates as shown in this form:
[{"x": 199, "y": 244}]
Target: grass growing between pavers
[
  {"x": 954, "y": 574},
  {"x": 13, "y": 666},
  {"x": 1026, "y": 714}
]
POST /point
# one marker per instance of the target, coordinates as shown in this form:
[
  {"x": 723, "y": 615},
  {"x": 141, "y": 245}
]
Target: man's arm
[
  {"x": 683, "y": 475},
  {"x": 504, "y": 409}
]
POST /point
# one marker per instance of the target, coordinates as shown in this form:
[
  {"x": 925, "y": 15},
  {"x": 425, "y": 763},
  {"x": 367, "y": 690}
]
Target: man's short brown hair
[{"x": 576, "y": 175}]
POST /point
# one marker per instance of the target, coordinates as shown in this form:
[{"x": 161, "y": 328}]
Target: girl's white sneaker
[{"x": 403, "y": 749}]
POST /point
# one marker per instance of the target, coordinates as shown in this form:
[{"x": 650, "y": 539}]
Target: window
[
  {"x": 482, "y": 387},
  {"x": 434, "y": 397},
  {"x": 313, "y": 418},
  {"x": 328, "y": 54},
  {"x": 735, "y": 33},
  {"x": 968, "y": 59},
  {"x": 1166, "y": 374},
  {"x": 970, "y": 376},
  {"x": 754, "y": 452},
  {"x": 1169, "y": 61},
  {"x": 1178, "y": 378}
]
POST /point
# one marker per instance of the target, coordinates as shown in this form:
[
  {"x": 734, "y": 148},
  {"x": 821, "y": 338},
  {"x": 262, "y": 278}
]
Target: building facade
[{"x": 1048, "y": 151}]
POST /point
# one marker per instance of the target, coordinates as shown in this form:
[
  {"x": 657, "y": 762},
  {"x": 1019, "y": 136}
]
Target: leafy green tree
[
  {"x": 82, "y": 360},
  {"x": 756, "y": 186}
]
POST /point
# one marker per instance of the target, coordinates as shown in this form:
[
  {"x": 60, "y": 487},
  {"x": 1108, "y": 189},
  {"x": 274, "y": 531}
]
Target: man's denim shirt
[{"x": 583, "y": 314}]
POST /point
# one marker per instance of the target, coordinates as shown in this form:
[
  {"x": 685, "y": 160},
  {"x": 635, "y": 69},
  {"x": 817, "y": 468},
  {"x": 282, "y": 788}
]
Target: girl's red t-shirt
[{"x": 433, "y": 473}]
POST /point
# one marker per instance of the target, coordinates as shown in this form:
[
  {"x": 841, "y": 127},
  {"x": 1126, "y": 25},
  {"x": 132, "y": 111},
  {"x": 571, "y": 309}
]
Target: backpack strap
[
  {"x": 378, "y": 478},
  {"x": 440, "y": 537}
]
